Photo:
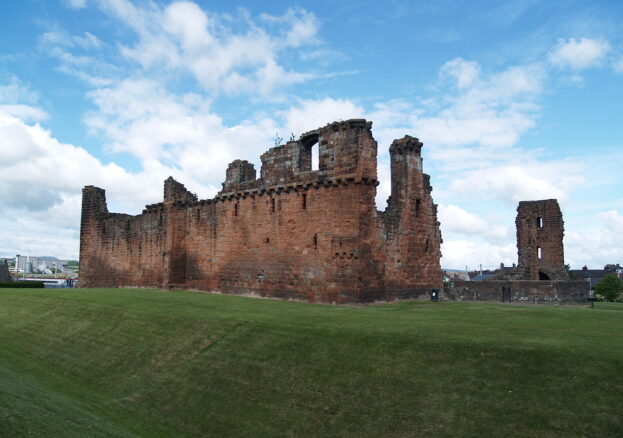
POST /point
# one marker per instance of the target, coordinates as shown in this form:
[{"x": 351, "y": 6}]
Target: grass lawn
[{"x": 138, "y": 363}]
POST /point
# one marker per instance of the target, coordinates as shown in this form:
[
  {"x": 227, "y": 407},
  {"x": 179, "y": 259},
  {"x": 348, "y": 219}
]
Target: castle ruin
[
  {"x": 540, "y": 274},
  {"x": 293, "y": 233}
]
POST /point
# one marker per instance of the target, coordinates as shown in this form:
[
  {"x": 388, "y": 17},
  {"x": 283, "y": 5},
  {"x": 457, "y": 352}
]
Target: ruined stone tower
[
  {"x": 296, "y": 232},
  {"x": 540, "y": 230}
]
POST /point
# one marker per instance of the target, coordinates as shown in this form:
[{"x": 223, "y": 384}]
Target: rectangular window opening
[
  {"x": 272, "y": 204},
  {"x": 539, "y": 222},
  {"x": 417, "y": 208},
  {"x": 315, "y": 241},
  {"x": 236, "y": 209},
  {"x": 304, "y": 201},
  {"x": 315, "y": 157},
  {"x": 539, "y": 252}
]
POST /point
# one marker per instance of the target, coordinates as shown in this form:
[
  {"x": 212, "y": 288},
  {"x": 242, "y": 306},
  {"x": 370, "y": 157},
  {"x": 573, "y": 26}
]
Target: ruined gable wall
[{"x": 292, "y": 233}]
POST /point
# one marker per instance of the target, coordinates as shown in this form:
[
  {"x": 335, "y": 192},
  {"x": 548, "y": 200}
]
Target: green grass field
[{"x": 143, "y": 363}]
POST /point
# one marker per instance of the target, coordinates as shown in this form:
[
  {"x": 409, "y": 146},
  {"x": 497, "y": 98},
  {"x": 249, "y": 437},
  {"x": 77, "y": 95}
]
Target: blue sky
[{"x": 516, "y": 100}]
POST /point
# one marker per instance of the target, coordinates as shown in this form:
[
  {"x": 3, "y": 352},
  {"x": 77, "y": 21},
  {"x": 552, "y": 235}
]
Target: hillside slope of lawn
[{"x": 138, "y": 363}]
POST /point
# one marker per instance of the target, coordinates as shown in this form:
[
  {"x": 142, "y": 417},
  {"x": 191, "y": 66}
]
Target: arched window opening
[
  {"x": 310, "y": 153},
  {"x": 539, "y": 252}
]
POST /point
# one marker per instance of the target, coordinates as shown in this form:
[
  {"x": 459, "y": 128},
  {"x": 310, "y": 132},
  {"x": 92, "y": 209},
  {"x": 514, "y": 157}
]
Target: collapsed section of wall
[{"x": 296, "y": 232}]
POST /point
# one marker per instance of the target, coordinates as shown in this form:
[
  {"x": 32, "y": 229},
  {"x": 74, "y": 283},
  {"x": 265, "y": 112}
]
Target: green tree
[{"x": 610, "y": 287}]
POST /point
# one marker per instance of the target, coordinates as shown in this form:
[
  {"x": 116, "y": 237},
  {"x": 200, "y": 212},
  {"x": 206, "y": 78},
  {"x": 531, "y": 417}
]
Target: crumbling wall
[
  {"x": 540, "y": 230},
  {"x": 295, "y": 232},
  {"x": 520, "y": 291},
  {"x": 412, "y": 233}
]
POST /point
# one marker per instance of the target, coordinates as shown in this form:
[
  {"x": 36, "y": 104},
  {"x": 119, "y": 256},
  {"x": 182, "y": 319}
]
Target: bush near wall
[{"x": 23, "y": 284}]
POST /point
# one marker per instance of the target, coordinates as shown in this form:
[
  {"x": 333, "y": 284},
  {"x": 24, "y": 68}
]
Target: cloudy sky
[{"x": 516, "y": 100}]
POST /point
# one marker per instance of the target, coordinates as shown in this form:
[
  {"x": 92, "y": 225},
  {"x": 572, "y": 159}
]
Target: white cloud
[
  {"x": 303, "y": 27},
  {"x": 311, "y": 114},
  {"x": 490, "y": 110},
  {"x": 40, "y": 184},
  {"x": 34, "y": 162},
  {"x": 531, "y": 180},
  {"x": 579, "y": 54},
  {"x": 224, "y": 54},
  {"x": 76, "y": 4},
  {"x": 176, "y": 134},
  {"x": 457, "y": 220},
  {"x": 618, "y": 65},
  {"x": 600, "y": 241},
  {"x": 612, "y": 220},
  {"x": 465, "y": 73},
  {"x": 61, "y": 38},
  {"x": 15, "y": 92},
  {"x": 26, "y": 112},
  {"x": 460, "y": 253},
  {"x": 13, "y": 99}
]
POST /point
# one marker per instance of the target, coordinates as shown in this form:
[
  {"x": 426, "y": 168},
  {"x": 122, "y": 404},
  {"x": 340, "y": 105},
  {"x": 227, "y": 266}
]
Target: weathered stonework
[
  {"x": 292, "y": 233},
  {"x": 521, "y": 291},
  {"x": 540, "y": 230}
]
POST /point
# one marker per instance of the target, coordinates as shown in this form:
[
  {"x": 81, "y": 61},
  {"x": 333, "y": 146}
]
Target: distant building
[
  {"x": 482, "y": 277},
  {"x": 594, "y": 276},
  {"x": 479, "y": 275},
  {"x": 43, "y": 265}
]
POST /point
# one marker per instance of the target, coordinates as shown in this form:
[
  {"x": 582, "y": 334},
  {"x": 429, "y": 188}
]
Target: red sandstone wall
[
  {"x": 540, "y": 225},
  {"x": 293, "y": 233}
]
